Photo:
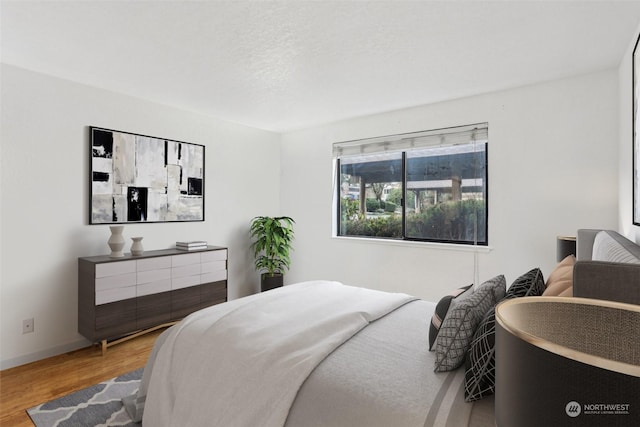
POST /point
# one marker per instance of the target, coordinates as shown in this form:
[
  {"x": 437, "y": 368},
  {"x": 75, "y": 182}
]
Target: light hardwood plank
[{"x": 26, "y": 386}]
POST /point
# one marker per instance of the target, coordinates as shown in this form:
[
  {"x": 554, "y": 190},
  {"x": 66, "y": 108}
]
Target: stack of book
[{"x": 191, "y": 246}]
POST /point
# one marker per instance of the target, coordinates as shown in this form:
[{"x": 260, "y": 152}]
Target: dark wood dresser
[{"x": 119, "y": 298}]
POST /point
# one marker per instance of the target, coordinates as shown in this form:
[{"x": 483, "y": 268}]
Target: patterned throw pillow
[
  {"x": 480, "y": 364},
  {"x": 530, "y": 284},
  {"x": 442, "y": 308},
  {"x": 460, "y": 323}
]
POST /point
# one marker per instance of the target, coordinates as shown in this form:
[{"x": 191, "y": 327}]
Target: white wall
[
  {"x": 553, "y": 168},
  {"x": 44, "y": 176},
  {"x": 625, "y": 148}
]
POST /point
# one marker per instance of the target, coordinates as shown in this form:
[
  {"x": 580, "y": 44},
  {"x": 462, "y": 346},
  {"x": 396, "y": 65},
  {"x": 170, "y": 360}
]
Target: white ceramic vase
[
  {"x": 136, "y": 246},
  {"x": 116, "y": 241}
]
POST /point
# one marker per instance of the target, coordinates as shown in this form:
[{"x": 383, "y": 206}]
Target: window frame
[{"x": 404, "y": 238}]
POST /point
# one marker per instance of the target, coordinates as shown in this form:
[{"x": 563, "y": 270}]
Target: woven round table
[{"x": 567, "y": 362}]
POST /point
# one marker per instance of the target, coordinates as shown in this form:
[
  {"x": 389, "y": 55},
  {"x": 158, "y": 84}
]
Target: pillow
[
  {"x": 441, "y": 311},
  {"x": 530, "y": 284},
  {"x": 479, "y": 377},
  {"x": 567, "y": 292},
  {"x": 461, "y": 322},
  {"x": 560, "y": 280},
  {"x": 611, "y": 247},
  {"x": 480, "y": 364}
]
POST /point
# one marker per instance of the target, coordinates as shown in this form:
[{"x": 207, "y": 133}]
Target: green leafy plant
[
  {"x": 372, "y": 205},
  {"x": 445, "y": 221},
  {"x": 389, "y": 207},
  {"x": 272, "y": 245}
]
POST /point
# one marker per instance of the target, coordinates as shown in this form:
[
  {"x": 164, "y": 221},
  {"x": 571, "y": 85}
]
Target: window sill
[{"x": 413, "y": 243}]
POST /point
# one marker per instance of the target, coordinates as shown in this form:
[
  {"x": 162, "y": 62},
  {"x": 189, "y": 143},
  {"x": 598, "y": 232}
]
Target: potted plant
[{"x": 271, "y": 247}]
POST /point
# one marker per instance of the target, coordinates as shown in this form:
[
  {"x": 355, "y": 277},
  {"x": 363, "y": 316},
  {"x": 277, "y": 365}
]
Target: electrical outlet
[{"x": 27, "y": 326}]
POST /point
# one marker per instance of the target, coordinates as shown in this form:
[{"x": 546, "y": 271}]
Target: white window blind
[{"x": 476, "y": 133}]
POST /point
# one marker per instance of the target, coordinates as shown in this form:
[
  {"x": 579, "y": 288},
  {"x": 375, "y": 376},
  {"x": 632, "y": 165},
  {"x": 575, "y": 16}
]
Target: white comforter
[{"x": 242, "y": 363}]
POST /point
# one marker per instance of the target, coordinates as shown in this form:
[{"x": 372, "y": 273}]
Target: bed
[
  {"x": 325, "y": 354},
  {"x": 342, "y": 356}
]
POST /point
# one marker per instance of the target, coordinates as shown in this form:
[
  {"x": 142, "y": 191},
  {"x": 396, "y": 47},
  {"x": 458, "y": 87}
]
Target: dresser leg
[{"x": 104, "y": 344}]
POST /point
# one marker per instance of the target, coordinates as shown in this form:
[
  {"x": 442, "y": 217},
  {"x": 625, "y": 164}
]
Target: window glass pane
[
  {"x": 371, "y": 195},
  {"x": 446, "y": 194}
]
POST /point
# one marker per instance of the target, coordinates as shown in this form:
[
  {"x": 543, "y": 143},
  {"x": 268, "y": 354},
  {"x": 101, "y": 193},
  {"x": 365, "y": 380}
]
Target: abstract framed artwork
[
  {"x": 138, "y": 178},
  {"x": 636, "y": 134}
]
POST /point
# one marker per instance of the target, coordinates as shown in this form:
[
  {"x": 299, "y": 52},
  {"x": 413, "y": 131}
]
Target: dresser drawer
[
  {"x": 113, "y": 282},
  {"x": 185, "y": 270},
  {"x": 214, "y": 276},
  {"x": 184, "y": 302},
  {"x": 186, "y": 259},
  {"x": 157, "y": 263},
  {"x": 220, "y": 255},
  {"x": 115, "y": 268},
  {"x": 153, "y": 310},
  {"x": 209, "y": 267},
  {"x": 153, "y": 275},
  {"x": 185, "y": 282},
  {"x": 153, "y": 287},
  {"x": 115, "y": 319},
  {"x": 113, "y": 295},
  {"x": 213, "y": 293}
]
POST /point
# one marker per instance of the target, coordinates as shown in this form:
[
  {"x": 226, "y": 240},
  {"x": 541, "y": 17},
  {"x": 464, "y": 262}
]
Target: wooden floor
[{"x": 26, "y": 386}]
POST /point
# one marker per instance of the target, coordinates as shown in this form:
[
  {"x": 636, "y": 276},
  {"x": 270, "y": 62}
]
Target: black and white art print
[{"x": 138, "y": 178}]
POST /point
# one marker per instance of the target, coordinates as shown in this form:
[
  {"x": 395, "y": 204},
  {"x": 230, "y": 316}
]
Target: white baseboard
[{"x": 34, "y": 357}]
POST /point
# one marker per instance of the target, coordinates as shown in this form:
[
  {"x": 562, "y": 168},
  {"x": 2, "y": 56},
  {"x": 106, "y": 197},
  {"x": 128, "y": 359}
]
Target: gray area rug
[{"x": 98, "y": 405}]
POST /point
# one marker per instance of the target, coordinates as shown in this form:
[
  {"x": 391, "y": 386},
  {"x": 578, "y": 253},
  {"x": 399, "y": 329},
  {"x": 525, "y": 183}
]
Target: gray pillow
[
  {"x": 442, "y": 308},
  {"x": 461, "y": 322}
]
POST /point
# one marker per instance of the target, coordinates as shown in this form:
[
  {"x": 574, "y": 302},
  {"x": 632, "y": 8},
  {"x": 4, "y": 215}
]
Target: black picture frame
[
  {"x": 636, "y": 134},
  {"x": 136, "y": 178}
]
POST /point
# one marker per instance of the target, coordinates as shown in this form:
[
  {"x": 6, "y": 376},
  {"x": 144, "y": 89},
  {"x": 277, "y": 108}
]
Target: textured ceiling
[{"x": 291, "y": 64}]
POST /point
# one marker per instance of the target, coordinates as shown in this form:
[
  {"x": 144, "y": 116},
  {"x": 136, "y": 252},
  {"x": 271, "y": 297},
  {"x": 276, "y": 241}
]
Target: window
[{"x": 424, "y": 186}]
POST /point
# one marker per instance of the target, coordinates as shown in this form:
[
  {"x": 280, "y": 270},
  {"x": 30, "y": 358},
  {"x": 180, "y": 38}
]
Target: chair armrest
[{"x": 607, "y": 280}]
